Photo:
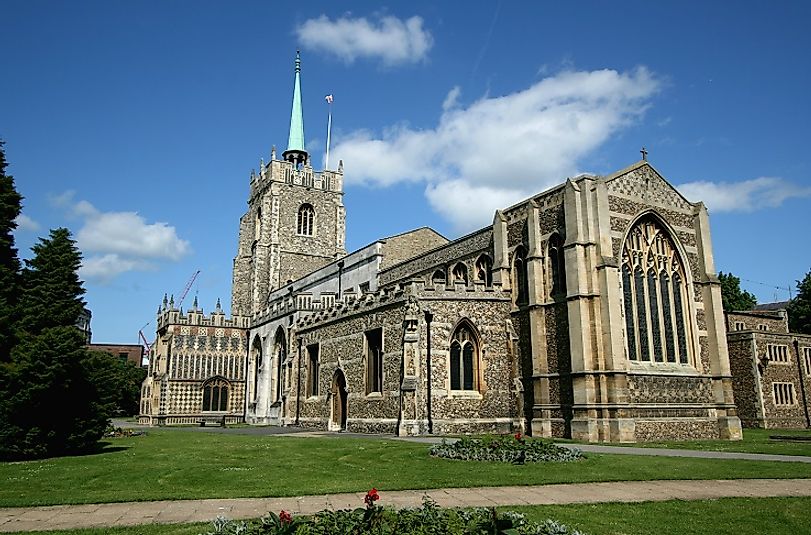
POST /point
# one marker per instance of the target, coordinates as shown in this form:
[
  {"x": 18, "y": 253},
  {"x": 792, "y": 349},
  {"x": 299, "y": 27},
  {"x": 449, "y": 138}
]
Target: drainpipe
[
  {"x": 428, "y": 318},
  {"x": 802, "y": 383},
  {"x": 298, "y": 383}
]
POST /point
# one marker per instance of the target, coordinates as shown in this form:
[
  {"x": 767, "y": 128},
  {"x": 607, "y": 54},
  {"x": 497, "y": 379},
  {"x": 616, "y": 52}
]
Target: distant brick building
[
  {"x": 126, "y": 352},
  {"x": 771, "y": 369}
]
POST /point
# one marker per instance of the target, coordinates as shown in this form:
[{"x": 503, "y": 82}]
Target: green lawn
[
  {"x": 754, "y": 441},
  {"x": 172, "y": 464},
  {"x": 728, "y": 516}
]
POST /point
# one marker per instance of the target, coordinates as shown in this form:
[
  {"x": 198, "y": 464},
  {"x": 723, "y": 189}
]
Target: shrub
[
  {"x": 514, "y": 449},
  {"x": 375, "y": 520}
]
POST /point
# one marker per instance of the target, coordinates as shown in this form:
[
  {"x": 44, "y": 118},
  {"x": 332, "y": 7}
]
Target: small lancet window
[
  {"x": 438, "y": 278},
  {"x": 306, "y": 217},
  {"x": 521, "y": 291},
  {"x": 557, "y": 265},
  {"x": 257, "y": 357}
]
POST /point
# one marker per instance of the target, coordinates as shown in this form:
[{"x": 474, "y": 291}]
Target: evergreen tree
[
  {"x": 10, "y": 207},
  {"x": 799, "y": 309},
  {"x": 732, "y": 297},
  {"x": 50, "y": 405}
]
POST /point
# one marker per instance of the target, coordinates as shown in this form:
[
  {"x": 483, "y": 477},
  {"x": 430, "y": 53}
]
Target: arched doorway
[{"x": 339, "y": 407}]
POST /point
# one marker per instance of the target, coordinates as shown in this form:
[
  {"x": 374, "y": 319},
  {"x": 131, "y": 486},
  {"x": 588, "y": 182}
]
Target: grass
[
  {"x": 176, "y": 464},
  {"x": 754, "y": 441},
  {"x": 728, "y": 516}
]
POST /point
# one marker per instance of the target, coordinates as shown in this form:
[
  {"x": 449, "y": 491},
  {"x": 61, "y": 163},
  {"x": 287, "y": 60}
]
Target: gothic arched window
[
  {"x": 215, "y": 395},
  {"x": 306, "y": 216},
  {"x": 257, "y": 358},
  {"x": 557, "y": 265},
  {"x": 460, "y": 274},
  {"x": 438, "y": 278},
  {"x": 484, "y": 270},
  {"x": 464, "y": 361},
  {"x": 521, "y": 291},
  {"x": 281, "y": 357},
  {"x": 654, "y": 295}
]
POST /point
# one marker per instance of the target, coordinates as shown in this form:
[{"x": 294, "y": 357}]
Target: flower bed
[
  {"x": 375, "y": 520},
  {"x": 514, "y": 449}
]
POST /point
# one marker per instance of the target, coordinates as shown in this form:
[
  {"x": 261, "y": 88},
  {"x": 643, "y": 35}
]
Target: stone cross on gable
[{"x": 644, "y": 152}]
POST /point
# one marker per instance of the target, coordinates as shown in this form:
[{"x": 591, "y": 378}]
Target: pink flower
[{"x": 285, "y": 517}]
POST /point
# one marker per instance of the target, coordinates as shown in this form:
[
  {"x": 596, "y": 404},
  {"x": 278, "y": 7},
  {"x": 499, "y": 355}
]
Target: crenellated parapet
[
  {"x": 284, "y": 172},
  {"x": 398, "y": 293},
  {"x": 168, "y": 314}
]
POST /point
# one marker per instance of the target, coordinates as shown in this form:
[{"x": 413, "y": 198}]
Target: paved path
[{"x": 168, "y": 512}]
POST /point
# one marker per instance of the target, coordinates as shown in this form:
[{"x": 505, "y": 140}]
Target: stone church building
[{"x": 591, "y": 310}]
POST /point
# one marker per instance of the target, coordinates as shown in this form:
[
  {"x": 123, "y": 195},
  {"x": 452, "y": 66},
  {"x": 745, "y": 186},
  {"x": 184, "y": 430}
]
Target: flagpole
[{"x": 329, "y": 128}]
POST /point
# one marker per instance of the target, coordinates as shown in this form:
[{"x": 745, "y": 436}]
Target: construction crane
[{"x": 187, "y": 288}]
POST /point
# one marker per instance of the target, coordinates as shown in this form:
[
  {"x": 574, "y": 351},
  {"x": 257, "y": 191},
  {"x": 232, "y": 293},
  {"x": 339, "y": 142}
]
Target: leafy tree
[
  {"x": 117, "y": 382},
  {"x": 799, "y": 309},
  {"x": 10, "y": 207},
  {"x": 732, "y": 297},
  {"x": 50, "y": 406}
]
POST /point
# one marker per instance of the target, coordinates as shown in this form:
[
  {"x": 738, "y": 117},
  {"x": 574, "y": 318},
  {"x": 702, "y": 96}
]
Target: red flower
[
  {"x": 371, "y": 497},
  {"x": 518, "y": 436},
  {"x": 285, "y": 517}
]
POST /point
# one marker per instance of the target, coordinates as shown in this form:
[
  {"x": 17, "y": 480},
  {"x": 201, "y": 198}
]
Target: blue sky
[{"x": 136, "y": 125}]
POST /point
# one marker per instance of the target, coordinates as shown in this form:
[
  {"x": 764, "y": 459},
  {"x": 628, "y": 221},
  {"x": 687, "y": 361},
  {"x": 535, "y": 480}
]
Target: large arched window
[
  {"x": 654, "y": 295},
  {"x": 215, "y": 395},
  {"x": 280, "y": 344},
  {"x": 464, "y": 358},
  {"x": 557, "y": 265},
  {"x": 484, "y": 270},
  {"x": 257, "y": 361},
  {"x": 306, "y": 217},
  {"x": 521, "y": 284}
]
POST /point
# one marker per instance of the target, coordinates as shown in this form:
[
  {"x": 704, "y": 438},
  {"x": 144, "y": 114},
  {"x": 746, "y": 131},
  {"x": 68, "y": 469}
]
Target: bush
[
  {"x": 375, "y": 520},
  {"x": 514, "y": 449}
]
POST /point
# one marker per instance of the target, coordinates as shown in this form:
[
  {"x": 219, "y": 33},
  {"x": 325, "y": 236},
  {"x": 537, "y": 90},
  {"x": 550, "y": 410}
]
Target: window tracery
[
  {"x": 484, "y": 270},
  {"x": 654, "y": 296},
  {"x": 464, "y": 358},
  {"x": 215, "y": 395},
  {"x": 306, "y": 216}
]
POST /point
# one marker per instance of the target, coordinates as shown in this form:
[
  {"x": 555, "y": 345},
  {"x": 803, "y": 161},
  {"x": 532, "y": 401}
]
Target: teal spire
[{"x": 295, "y": 145}]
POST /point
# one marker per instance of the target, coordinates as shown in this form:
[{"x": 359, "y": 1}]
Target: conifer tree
[
  {"x": 799, "y": 309},
  {"x": 50, "y": 406},
  {"x": 10, "y": 207},
  {"x": 732, "y": 297}
]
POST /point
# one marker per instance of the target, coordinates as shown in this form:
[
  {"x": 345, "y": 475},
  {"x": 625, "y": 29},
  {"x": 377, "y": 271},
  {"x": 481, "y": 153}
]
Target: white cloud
[
  {"x": 392, "y": 40},
  {"x": 26, "y": 224},
  {"x": 117, "y": 242},
  {"x": 503, "y": 147},
  {"x": 744, "y": 196},
  {"x": 452, "y": 98}
]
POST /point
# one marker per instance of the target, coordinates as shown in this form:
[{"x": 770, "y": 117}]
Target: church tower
[{"x": 295, "y": 223}]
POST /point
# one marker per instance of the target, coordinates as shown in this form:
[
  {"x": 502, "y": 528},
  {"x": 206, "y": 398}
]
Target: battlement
[
  {"x": 285, "y": 172},
  {"x": 353, "y": 304},
  {"x": 169, "y": 315}
]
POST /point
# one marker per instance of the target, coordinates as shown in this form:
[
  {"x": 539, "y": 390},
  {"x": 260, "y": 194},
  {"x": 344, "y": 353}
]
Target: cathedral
[{"x": 590, "y": 310}]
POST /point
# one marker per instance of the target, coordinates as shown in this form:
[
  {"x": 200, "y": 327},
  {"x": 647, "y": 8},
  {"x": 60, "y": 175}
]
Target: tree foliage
[
  {"x": 799, "y": 309},
  {"x": 117, "y": 381},
  {"x": 732, "y": 297},
  {"x": 50, "y": 405},
  {"x": 10, "y": 208}
]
